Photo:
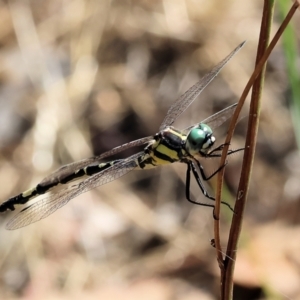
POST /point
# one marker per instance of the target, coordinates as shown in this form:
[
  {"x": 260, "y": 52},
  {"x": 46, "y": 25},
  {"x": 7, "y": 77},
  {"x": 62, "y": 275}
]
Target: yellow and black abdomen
[{"x": 167, "y": 148}]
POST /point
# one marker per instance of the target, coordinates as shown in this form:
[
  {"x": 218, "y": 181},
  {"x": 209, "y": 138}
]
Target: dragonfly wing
[
  {"x": 48, "y": 205},
  {"x": 182, "y": 103},
  {"x": 220, "y": 117},
  {"x": 217, "y": 119},
  {"x": 69, "y": 169}
]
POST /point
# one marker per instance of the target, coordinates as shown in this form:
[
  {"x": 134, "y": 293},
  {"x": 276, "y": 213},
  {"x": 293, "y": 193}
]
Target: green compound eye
[{"x": 199, "y": 139}]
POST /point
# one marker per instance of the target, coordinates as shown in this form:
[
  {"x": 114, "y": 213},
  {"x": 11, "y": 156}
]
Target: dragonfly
[{"x": 169, "y": 145}]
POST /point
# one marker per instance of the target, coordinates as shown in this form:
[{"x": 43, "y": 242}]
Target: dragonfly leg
[
  {"x": 204, "y": 176},
  {"x": 191, "y": 167},
  {"x": 235, "y": 150},
  {"x": 220, "y": 148}
]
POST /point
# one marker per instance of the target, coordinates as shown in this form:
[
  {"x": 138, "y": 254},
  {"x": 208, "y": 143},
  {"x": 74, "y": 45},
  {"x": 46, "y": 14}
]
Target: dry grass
[{"x": 80, "y": 77}]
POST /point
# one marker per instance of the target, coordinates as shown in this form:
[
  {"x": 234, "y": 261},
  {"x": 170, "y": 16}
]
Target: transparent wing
[
  {"x": 69, "y": 169},
  {"x": 182, "y": 103},
  {"x": 217, "y": 119},
  {"x": 48, "y": 205}
]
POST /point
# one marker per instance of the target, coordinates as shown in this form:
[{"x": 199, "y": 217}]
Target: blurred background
[{"x": 81, "y": 77}]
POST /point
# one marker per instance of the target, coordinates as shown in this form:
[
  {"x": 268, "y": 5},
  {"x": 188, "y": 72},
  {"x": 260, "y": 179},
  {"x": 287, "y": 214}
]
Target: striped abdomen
[{"x": 62, "y": 176}]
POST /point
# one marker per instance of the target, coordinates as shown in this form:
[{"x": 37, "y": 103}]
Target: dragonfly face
[
  {"x": 168, "y": 146},
  {"x": 199, "y": 140}
]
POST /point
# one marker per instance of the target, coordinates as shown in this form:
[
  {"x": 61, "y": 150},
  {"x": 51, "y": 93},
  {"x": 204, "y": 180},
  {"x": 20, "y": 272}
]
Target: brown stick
[{"x": 227, "y": 265}]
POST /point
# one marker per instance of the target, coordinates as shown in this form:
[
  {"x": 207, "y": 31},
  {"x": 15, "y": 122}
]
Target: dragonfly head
[{"x": 199, "y": 140}]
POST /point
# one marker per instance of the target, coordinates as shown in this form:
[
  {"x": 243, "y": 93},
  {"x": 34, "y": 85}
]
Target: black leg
[
  {"x": 200, "y": 184},
  {"x": 191, "y": 167},
  {"x": 203, "y": 175},
  {"x": 187, "y": 187},
  {"x": 219, "y": 148},
  {"x": 209, "y": 155}
]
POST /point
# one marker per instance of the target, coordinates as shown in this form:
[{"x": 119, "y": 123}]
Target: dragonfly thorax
[{"x": 199, "y": 140}]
